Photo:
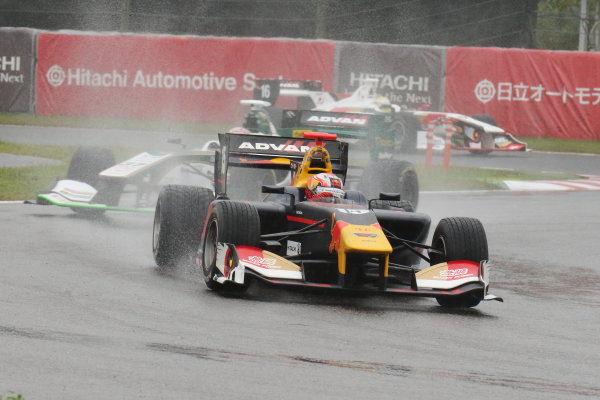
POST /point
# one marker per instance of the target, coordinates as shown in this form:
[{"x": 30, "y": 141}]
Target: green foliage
[
  {"x": 558, "y": 21},
  {"x": 25, "y": 182},
  {"x": 563, "y": 145},
  {"x": 465, "y": 178},
  {"x": 559, "y": 5},
  {"x": 12, "y": 397},
  {"x": 111, "y": 123}
]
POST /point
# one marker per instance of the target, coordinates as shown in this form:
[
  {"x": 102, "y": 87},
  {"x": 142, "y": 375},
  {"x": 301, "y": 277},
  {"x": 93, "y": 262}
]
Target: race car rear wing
[
  {"x": 344, "y": 124},
  {"x": 270, "y": 152},
  {"x": 270, "y": 89}
]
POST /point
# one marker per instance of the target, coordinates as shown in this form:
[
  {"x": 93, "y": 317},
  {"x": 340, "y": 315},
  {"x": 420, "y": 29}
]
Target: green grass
[
  {"x": 24, "y": 183},
  {"x": 465, "y": 178},
  {"x": 563, "y": 145},
  {"x": 111, "y": 123}
]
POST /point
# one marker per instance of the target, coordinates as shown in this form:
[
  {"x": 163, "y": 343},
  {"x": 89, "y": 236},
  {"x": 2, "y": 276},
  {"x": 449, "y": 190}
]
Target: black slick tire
[
  {"x": 487, "y": 139},
  {"x": 246, "y": 183},
  {"x": 86, "y": 164},
  {"x": 231, "y": 222},
  {"x": 178, "y": 220},
  {"x": 459, "y": 238},
  {"x": 406, "y": 128}
]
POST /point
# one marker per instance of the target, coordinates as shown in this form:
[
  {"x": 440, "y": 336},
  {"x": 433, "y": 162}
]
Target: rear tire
[
  {"x": 246, "y": 184},
  {"x": 406, "y": 129},
  {"x": 391, "y": 176},
  {"x": 459, "y": 238},
  {"x": 230, "y": 222},
  {"x": 178, "y": 221}
]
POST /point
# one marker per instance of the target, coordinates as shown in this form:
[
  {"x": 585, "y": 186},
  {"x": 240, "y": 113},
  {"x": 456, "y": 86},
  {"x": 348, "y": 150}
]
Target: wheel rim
[
  {"x": 209, "y": 252},
  {"x": 440, "y": 245}
]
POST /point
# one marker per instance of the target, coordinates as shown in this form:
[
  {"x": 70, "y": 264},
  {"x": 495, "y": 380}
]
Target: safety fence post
[
  {"x": 429, "y": 150},
  {"x": 448, "y": 129}
]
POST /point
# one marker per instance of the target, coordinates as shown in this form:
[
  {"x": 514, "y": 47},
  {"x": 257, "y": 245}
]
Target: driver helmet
[{"x": 324, "y": 185}]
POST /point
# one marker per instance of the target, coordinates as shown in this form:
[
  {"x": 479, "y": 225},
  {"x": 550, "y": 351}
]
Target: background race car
[{"x": 395, "y": 130}]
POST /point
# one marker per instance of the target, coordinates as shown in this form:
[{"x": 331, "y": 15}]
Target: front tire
[
  {"x": 487, "y": 139},
  {"x": 86, "y": 164},
  {"x": 178, "y": 220},
  {"x": 459, "y": 238},
  {"x": 391, "y": 176},
  {"x": 230, "y": 222}
]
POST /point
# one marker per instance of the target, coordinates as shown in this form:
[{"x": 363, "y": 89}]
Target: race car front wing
[{"x": 237, "y": 263}]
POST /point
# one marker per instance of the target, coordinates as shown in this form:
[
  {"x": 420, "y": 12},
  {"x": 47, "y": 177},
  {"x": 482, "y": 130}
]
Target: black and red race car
[{"x": 350, "y": 243}]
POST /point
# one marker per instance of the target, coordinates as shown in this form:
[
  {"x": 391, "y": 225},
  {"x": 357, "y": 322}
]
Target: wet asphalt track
[{"x": 85, "y": 314}]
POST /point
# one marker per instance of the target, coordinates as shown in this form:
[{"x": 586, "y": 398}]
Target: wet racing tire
[
  {"x": 391, "y": 176},
  {"x": 178, "y": 221},
  {"x": 86, "y": 164},
  {"x": 406, "y": 129},
  {"x": 246, "y": 183},
  {"x": 231, "y": 222},
  {"x": 487, "y": 139},
  {"x": 459, "y": 238}
]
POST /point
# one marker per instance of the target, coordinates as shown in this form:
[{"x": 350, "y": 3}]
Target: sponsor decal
[
  {"x": 112, "y": 75},
  {"x": 293, "y": 248},
  {"x": 10, "y": 64},
  {"x": 16, "y": 69},
  {"x": 57, "y": 76},
  {"x": 355, "y": 121},
  {"x": 406, "y": 75},
  {"x": 486, "y": 91},
  {"x": 392, "y": 82},
  {"x": 352, "y": 211},
  {"x": 262, "y": 261},
  {"x": 133, "y": 164},
  {"x": 454, "y": 273},
  {"x": 365, "y": 235},
  {"x": 288, "y": 148}
]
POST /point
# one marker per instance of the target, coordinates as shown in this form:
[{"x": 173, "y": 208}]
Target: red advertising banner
[
  {"x": 166, "y": 77},
  {"x": 536, "y": 93}
]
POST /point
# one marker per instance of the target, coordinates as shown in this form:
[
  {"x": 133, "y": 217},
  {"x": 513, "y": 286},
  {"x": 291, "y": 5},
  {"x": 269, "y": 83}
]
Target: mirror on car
[
  {"x": 389, "y": 196},
  {"x": 273, "y": 189}
]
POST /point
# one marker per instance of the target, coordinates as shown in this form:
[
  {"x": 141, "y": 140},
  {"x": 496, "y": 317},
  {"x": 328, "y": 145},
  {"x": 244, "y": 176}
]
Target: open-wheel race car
[
  {"x": 95, "y": 183},
  {"x": 365, "y": 114},
  {"x": 313, "y": 233}
]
